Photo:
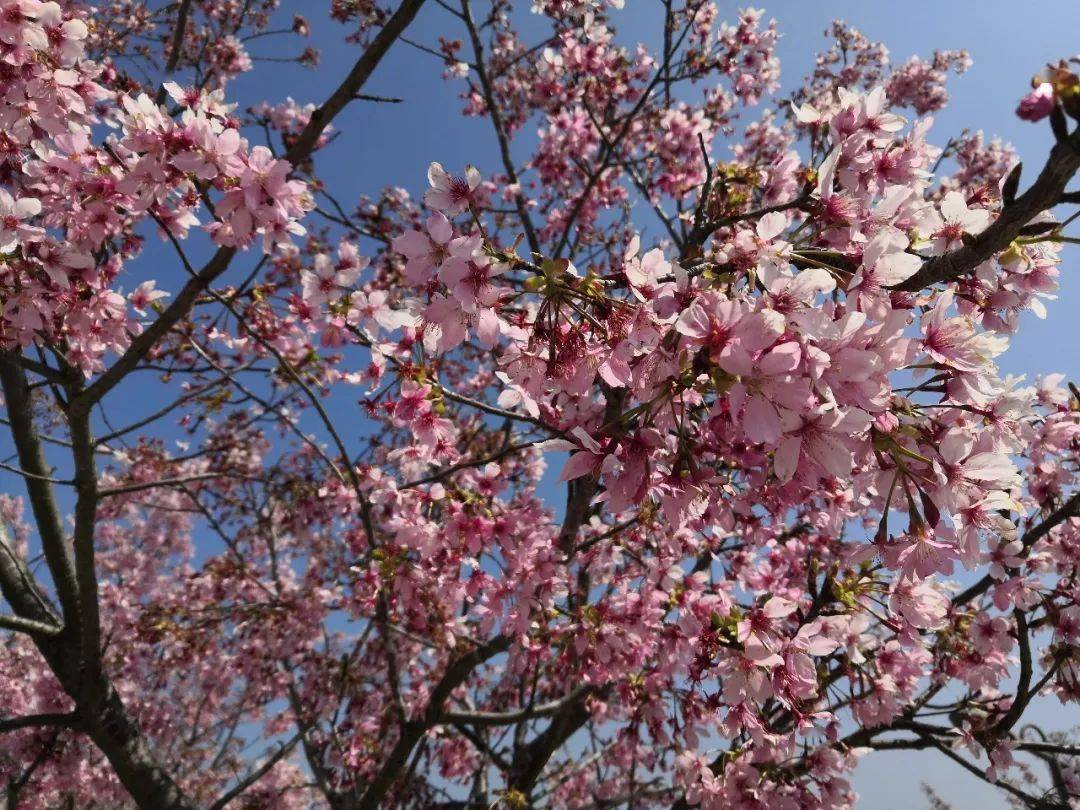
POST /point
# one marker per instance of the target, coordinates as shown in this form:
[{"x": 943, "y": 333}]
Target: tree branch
[
  {"x": 350, "y": 87},
  {"x": 1071, "y": 508},
  {"x": 411, "y": 732},
  {"x": 29, "y": 626},
  {"x": 1023, "y": 695},
  {"x": 257, "y": 774},
  {"x": 501, "y": 134},
  {"x": 509, "y": 718},
  {"x": 176, "y": 47},
  {"x": 53, "y": 720},
  {"x": 1062, "y": 164},
  {"x": 42, "y": 499}
]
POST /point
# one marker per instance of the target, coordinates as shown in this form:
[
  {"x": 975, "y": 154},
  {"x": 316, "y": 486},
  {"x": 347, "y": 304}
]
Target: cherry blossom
[{"x": 662, "y": 461}]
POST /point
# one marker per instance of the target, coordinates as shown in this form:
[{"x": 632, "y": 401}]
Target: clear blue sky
[{"x": 392, "y": 145}]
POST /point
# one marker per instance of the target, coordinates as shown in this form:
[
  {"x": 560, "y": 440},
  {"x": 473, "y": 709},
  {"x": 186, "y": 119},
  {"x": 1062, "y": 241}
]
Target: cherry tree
[{"x": 323, "y": 560}]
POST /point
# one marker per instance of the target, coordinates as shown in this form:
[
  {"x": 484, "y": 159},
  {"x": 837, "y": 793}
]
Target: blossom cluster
[
  {"x": 78, "y": 192},
  {"x": 805, "y": 514}
]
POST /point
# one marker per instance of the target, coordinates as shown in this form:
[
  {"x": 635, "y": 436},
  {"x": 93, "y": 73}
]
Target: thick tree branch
[
  {"x": 1046, "y": 192},
  {"x": 509, "y": 718},
  {"x": 22, "y": 590},
  {"x": 50, "y": 528},
  {"x": 142, "y": 345},
  {"x": 455, "y": 675},
  {"x": 529, "y": 760},
  {"x": 49, "y": 720},
  {"x": 86, "y": 485},
  {"x": 29, "y": 626},
  {"x": 347, "y": 91}
]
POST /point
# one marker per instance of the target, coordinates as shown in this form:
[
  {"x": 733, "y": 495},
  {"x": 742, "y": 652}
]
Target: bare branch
[
  {"x": 350, "y": 87},
  {"x": 1023, "y": 695},
  {"x": 42, "y": 499},
  {"x": 54, "y": 720},
  {"x": 1071, "y": 508},
  {"x": 28, "y": 626},
  {"x": 500, "y": 129},
  {"x": 175, "y": 47}
]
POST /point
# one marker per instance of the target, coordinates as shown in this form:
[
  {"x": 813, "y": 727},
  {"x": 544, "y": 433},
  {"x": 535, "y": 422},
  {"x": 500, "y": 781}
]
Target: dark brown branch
[
  {"x": 702, "y": 232},
  {"x": 48, "y": 720},
  {"x": 195, "y": 393},
  {"x": 465, "y": 465},
  {"x": 1030, "y": 801},
  {"x": 501, "y": 133},
  {"x": 86, "y": 503},
  {"x": 176, "y": 47},
  {"x": 29, "y": 626},
  {"x": 43, "y": 479},
  {"x": 1047, "y": 190},
  {"x": 1071, "y": 508},
  {"x": 581, "y": 491},
  {"x": 29, "y": 364},
  {"x": 378, "y": 99},
  {"x": 482, "y": 746},
  {"x": 16, "y": 784},
  {"x": 1023, "y": 685},
  {"x": 509, "y": 718},
  {"x": 142, "y": 345},
  {"x": 411, "y": 732},
  {"x": 21, "y": 589},
  {"x": 496, "y": 411},
  {"x": 609, "y": 153},
  {"x": 219, "y": 263},
  {"x": 358, "y": 76},
  {"x": 530, "y": 760},
  {"x": 125, "y": 489},
  {"x": 257, "y": 774},
  {"x": 42, "y": 499},
  {"x": 641, "y": 185}
]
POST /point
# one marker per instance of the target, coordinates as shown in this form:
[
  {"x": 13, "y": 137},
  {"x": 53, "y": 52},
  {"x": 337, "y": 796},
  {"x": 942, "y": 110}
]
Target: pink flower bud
[{"x": 1037, "y": 104}]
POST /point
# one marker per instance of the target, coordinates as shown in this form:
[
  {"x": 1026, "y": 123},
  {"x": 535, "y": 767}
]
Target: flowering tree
[{"x": 804, "y": 517}]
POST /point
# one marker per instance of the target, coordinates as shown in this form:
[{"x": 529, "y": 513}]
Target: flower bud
[{"x": 1037, "y": 104}]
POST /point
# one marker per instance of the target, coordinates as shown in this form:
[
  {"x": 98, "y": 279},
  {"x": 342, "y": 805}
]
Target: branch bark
[
  {"x": 55, "y": 720},
  {"x": 529, "y": 760},
  {"x": 320, "y": 119},
  {"x": 509, "y": 718},
  {"x": 1071, "y": 508},
  {"x": 412, "y": 731},
  {"x": 1046, "y": 192},
  {"x": 54, "y": 543}
]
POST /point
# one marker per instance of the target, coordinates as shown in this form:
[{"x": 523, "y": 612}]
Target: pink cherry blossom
[
  {"x": 1037, "y": 104},
  {"x": 633, "y": 470}
]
